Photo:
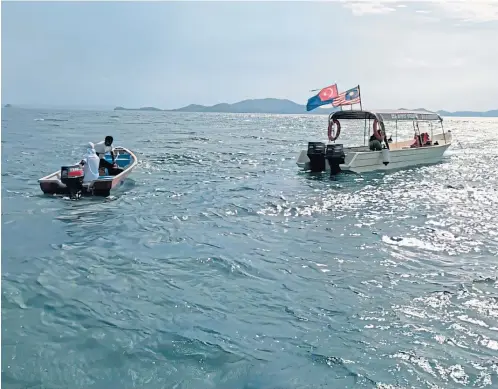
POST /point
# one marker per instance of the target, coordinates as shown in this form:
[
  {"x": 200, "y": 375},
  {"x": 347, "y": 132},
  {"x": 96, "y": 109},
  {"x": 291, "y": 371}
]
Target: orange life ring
[
  {"x": 332, "y": 138},
  {"x": 376, "y": 131}
]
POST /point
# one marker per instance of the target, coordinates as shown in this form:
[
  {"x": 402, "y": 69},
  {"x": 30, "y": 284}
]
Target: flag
[
  {"x": 350, "y": 97},
  {"x": 325, "y": 96}
]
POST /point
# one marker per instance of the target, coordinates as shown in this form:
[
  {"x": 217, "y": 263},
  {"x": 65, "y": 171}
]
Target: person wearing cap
[{"x": 101, "y": 148}]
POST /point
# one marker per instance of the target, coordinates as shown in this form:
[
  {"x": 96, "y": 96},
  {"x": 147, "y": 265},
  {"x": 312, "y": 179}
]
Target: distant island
[
  {"x": 283, "y": 106},
  {"x": 275, "y": 106},
  {"x": 138, "y": 109},
  {"x": 474, "y": 114}
]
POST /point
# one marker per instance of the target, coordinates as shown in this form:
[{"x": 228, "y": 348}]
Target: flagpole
[
  {"x": 314, "y": 90},
  {"x": 359, "y": 95}
]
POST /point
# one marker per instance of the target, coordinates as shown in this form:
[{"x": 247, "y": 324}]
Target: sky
[{"x": 436, "y": 55}]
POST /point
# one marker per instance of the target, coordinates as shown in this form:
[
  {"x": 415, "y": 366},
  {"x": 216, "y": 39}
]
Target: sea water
[{"x": 220, "y": 265}]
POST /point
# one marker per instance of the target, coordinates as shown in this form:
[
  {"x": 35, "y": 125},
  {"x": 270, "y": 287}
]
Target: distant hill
[
  {"x": 275, "y": 106},
  {"x": 487, "y": 114},
  {"x": 137, "y": 109},
  {"x": 283, "y": 106}
]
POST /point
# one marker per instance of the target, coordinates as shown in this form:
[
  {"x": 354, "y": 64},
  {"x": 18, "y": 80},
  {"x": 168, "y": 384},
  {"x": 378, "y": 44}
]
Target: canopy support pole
[
  {"x": 365, "y": 133},
  {"x": 444, "y": 135},
  {"x": 396, "y": 130}
]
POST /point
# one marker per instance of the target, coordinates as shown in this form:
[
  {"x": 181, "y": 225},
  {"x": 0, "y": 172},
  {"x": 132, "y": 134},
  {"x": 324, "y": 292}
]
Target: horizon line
[{"x": 109, "y": 107}]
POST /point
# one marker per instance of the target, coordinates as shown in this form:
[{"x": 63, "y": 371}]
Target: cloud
[
  {"x": 470, "y": 11},
  {"x": 429, "y": 19},
  {"x": 477, "y": 11},
  {"x": 417, "y": 63},
  {"x": 359, "y": 8}
]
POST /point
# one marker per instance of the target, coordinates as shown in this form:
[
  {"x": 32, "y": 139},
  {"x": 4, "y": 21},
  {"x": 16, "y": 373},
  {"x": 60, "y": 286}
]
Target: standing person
[{"x": 101, "y": 148}]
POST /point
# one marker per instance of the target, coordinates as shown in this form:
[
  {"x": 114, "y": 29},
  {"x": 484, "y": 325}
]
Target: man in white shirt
[
  {"x": 101, "y": 148},
  {"x": 90, "y": 164}
]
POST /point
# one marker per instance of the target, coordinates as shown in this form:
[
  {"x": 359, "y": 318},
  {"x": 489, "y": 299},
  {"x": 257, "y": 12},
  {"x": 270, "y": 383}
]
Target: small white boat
[
  {"x": 69, "y": 180},
  {"x": 423, "y": 149}
]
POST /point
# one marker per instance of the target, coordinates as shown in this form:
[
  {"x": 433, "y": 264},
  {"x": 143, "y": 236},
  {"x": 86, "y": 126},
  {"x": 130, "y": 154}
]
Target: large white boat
[{"x": 422, "y": 149}]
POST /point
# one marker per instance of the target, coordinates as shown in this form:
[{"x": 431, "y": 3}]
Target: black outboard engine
[
  {"x": 335, "y": 156},
  {"x": 316, "y": 154},
  {"x": 72, "y": 177}
]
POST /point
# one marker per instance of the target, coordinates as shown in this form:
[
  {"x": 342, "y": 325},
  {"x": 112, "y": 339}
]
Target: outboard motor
[
  {"x": 316, "y": 154},
  {"x": 335, "y": 156},
  {"x": 72, "y": 177}
]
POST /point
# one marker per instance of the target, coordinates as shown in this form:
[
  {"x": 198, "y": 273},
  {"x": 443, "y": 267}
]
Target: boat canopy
[{"x": 387, "y": 115}]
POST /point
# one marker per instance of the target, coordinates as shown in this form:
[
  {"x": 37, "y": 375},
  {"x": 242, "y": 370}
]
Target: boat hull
[
  {"x": 52, "y": 185},
  {"x": 362, "y": 160}
]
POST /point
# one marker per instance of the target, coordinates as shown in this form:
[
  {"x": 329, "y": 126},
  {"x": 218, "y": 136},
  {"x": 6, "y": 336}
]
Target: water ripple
[{"x": 219, "y": 265}]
